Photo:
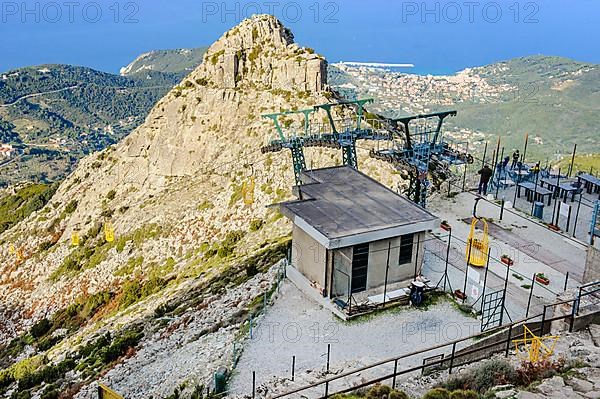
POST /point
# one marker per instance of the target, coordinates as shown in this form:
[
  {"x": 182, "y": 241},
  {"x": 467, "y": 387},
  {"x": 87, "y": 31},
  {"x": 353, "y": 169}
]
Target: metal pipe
[
  {"x": 253, "y": 384},
  {"x": 543, "y": 321},
  {"x": 525, "y": 149},
  {"x": 510, "y": 327},
  {"x": 328, "y": 355},
  {"x": 530, "y": 295},
  {"x": 447, "y": 261},
  {"x": 465, "y": 174},
  {"x": 293, "y": 367},
  {"x": 504, "y": 295},
  {"x": 452, "y": 358},
  {"x": 417, "y": 258},
  {"x": 484, "y": 154},
  {"x": 572, "y": 160},
  {"x": 556, "y": 199},
  {"x": 537, "y": 177},
  {"x": 577, "y": 214},
  {"x": 566, "y": 281},
  {"x": 485, "y": 280},
  {"x": 387, "y": 268},
  {"x": 499, "y": 177},
  {"x": 467, "y": 271},
  {"x": 395, "y": 372}
]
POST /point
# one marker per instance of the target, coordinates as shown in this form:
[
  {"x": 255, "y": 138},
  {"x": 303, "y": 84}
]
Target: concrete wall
[
  {"x": 378, "y": 252},
  {"x": 308, "y": 256},
  {"x": 592, "y": 265}
]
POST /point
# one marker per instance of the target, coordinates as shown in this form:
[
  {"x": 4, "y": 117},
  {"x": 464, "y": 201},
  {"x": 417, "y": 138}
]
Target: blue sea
[{"x": 439, "y": 37}]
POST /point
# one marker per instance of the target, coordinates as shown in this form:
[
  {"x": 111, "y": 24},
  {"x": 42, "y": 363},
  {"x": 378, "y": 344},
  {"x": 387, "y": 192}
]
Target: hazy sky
[{"x": 438, "y": 37}]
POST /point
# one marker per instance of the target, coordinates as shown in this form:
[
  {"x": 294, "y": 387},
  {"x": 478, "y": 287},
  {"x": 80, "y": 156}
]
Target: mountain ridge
[{"x": 180, "y": 61}]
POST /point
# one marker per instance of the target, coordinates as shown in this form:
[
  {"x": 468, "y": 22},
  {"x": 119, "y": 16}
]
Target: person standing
[
  {"x": 486, "y": 174},
  {"x": 505, "y": 163},
  {"x": 515, "y": 159}
]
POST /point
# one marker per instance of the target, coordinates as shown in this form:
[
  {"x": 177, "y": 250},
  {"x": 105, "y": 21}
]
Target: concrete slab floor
[{"x": 297, "y": 326}]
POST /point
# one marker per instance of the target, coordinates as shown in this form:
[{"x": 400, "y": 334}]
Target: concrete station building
[{"x": 353, "y": 239}]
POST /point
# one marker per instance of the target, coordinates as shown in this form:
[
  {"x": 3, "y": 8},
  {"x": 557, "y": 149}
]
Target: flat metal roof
[{"x": 341, "y": 207}]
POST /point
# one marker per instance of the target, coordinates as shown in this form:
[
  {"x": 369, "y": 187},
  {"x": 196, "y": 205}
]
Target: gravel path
[{"x": 297, "y": 326}]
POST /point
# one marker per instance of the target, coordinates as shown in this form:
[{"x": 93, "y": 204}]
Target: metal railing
[{"x": 456, "y": 357}]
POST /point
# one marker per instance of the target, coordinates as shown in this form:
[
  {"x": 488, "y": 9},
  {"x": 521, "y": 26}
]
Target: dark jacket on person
[{"x": 486, "y": 174}]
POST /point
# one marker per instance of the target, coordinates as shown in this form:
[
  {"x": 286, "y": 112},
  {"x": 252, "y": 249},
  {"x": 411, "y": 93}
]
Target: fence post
[
  {"x": 504, "y": 296},
  {"x": 572, "y": 322},
  {"x": 530, "y": 295},
  {"x": 577, "y": 214},
  {"x": 253, "y": 384},
  {"x": 452, "y": 358},
  {"x": 543, "y": 321},
  {"x": 387, "y": 268},
  {"x": 502, "y": 208},
  {"x": 566, "y": 281},
  {"x": 328, "y": 355},
  {"x": 487, "y": 267},
  {"x": 508, "y": 340},
  {"x": 395, "y": 372},
  {"x": 447, "y": 261},
  {"x": 326, "y": 389},
  {"x": 467, "y": 271},
  {"x": 293, "y": 366},
  {"x": 464, "y": 178}
]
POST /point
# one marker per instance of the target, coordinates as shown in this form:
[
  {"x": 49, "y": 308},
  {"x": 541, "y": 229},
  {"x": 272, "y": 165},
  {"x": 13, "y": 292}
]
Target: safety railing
[{"x": 446, "y": 356}]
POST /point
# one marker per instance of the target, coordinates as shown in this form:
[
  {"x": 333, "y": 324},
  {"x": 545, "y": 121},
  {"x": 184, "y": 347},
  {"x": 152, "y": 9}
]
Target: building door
[{"x": 360, "y": 266}]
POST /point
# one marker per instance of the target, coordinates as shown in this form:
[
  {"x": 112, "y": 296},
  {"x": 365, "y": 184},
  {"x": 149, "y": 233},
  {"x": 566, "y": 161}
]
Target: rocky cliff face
[
  {"x": 181, "y": 170},
  {"x": 172, "y": 193}
]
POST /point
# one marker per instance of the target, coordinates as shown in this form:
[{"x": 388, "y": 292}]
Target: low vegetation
[
  {"x": 91, "y": 360},
  {"x": 17, "y": 207}
]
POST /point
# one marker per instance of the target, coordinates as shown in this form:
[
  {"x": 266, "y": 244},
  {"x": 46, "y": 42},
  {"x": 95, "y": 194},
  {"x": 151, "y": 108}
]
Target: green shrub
[
  {"x": 134, "y": 291},
  {"x": 26, "y": 367},
  {"x": 437, "y": 393},
  {"x": 17, "y": 207},
  {"x": 71, "y": 207},
  {"x": 469, "y": 394},
  {"x": 111, "y": 195},
  {"x": 46, "y": 245},
  {"x": 40, "y": 328},
  {"x": 489, "y": 374},
  {"x": 395, "y": 394},
  {"x": 256, "y": 224},
  {"x": 215, "y": 57},
  {"x": 205, "y": 205},
  {"x": 492, "y": 373}
]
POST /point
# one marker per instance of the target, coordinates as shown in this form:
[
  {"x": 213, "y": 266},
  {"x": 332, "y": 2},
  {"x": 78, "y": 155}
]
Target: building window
[{"x": 406, "y": 249}]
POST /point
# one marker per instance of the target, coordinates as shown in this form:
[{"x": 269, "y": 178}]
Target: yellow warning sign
[{"x": 105, "y": 392}]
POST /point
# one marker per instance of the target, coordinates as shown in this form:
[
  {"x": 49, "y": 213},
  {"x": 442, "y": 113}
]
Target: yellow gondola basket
[
  {"x": 477, "y": 244},
  {"x": 109, "y": 232},
  {"x": 248, "y": 191}
]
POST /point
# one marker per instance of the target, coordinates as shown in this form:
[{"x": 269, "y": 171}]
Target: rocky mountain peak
[{"x": 260, "y": 53}]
